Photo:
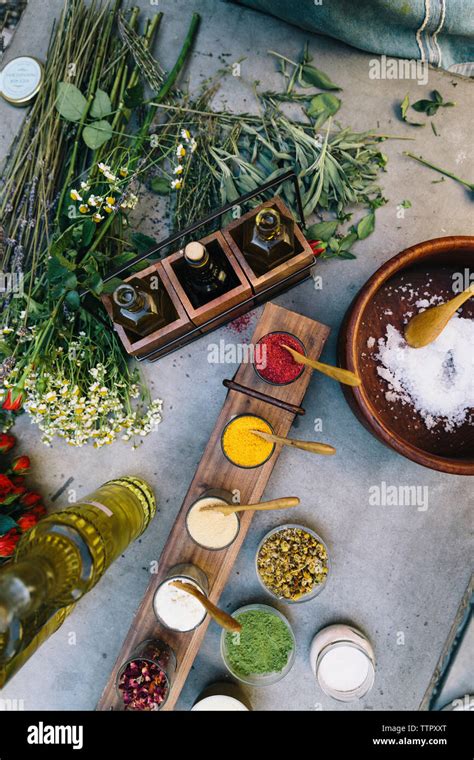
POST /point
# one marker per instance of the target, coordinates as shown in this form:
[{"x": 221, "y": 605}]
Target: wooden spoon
[
  {"x": 425, "y": 327},
  {"x": 341, "y": 375},
  {"x": 227, "y": 509},
  {"x": 221, "y": 617},
  {"x": 312, "y": 446}
]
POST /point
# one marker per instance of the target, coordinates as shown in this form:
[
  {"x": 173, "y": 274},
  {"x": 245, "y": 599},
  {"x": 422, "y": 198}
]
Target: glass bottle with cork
[
  {"x": 140, "y": 308},
  {"x": 205, "y": 276},
  {"x": 268, "y": 240},
  {"x": 62, "y": 558}
]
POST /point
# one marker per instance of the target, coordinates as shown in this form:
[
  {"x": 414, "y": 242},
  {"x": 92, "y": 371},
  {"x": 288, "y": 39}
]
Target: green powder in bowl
[{"x": 264, "y": 650}]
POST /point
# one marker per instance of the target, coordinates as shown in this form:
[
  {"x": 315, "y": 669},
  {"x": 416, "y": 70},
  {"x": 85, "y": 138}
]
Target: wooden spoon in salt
[
  {"x": 425, "y": 327},
  {"x": 222, "y": 618}
]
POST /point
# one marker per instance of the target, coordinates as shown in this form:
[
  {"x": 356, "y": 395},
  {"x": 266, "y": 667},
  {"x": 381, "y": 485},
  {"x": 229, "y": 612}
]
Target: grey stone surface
[{"x": 396, "y": 570}]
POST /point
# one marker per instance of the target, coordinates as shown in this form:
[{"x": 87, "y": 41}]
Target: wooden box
[
  {"x": 136, "y": 345},
  {"x": 239, "y": 291},
  {"x": 302, "y": 257}
]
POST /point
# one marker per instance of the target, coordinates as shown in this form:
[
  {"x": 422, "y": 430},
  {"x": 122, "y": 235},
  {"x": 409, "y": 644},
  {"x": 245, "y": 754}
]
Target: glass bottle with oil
[
  {"x": 62, "y": 558},
  {"x": 205, "y": 276},
  {"x": 140, "y": 308},
  {"x": 268, "y": 240}
]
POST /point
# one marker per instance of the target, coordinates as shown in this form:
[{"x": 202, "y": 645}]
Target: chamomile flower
[
  {"x": 83, "y": 208},
  {"x": 97, "y": 217},
  {"x": 85, "y": 186},
  {"x": 193, "y": 145},
  {"x": 178, "y": 169},
  {"x": 186, "y": 135},
  {"x": 176, "y": 184},
  {"x": 123, "y": 171},
  {"x": 181, "y": 151},
  {"x": 92, "y": 201},
  {"x": 75, "y": 196}
]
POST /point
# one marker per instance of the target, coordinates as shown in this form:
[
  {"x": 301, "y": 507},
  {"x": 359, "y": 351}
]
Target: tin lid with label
[{"x": 20, "y": 80}]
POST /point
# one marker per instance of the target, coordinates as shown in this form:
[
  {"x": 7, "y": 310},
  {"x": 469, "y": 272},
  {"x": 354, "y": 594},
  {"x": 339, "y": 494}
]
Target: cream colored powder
[{"x": 211, "y": 529}]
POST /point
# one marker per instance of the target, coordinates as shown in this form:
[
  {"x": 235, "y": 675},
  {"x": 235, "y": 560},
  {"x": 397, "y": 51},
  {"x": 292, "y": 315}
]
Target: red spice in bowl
[{"x": 275, "y": 364}]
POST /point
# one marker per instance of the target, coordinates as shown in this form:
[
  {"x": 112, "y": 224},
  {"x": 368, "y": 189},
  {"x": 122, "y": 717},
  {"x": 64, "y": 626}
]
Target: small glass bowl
[
  {"x": 330, "y": 638},
  {"x": 317, "y": 588},
  {"x": 259, "y": 679},
  {"x": 302, "y": 350},
  {"x": 156, "y": 652},
  {"x": 243, "y": 466},
  {"x": 193, "y": 574},
  {"x": 222, "y": 495}
]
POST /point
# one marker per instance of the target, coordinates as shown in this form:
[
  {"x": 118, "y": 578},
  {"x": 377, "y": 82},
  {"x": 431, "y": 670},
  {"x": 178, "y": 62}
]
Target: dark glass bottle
[
  {"x": 206, "y": 277},
  {"x": 268, "y": 240},
  {"x": 139, "y": 308}
]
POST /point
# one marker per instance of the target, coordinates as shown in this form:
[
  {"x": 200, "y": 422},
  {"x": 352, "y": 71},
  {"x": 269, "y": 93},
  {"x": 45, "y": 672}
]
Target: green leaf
[
  {"x": 143, "y": 243},
  {"x": 101, "y": 105},
  {"x": 61, "y": 243},
  {"x": 405, "y": 204},
  {"x": 88, "y": 230},
  {"x": 6, "y": 524},
  {"x": 366, "y": 226},
  {"x": 323, "y": 106},
  {"x": 134, "y": 96},
  {"x": 311, "y": 75},
  {"x": 72, "y": 299},
  {"x": 423, "y": 106},
  {"x": 96, "y": 134},
  {"x": 437, "y": 96},
  {"x": 70, "y": 282},
  {"x": 348, "y": 241},
  {"x": 160, "y": 185},
  {"x": 56, "y": 271},
  {"x": 95, "y": 283},
  {"x": 111, "y": 285},
  {"x": 70, "y": 101},
  {"x": 322, "y": 231},
  {"x": 66, "y": 263},
  {"x": 404, "y": 105}
]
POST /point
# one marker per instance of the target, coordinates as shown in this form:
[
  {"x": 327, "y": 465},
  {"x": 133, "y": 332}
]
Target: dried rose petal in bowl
[{"x": 144, "y": 685}]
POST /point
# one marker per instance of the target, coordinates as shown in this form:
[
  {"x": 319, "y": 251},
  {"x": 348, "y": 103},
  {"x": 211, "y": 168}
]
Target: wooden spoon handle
[
  {"x": 221, "y": 617},
  {"x": 344, "y": 376},
  {"x": 458, "y": 300},
  {"x": 312, "y": 446},
  {"x": 286, "y": 502}
]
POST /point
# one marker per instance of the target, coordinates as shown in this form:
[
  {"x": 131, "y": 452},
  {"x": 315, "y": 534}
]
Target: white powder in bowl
[
  {"x": 211, "y": 528},
  {"x": 438, "y": 379},
  {"x": 219, "y": 703},
  {"x": 343, "y": 668},
  {"x": 176, "y": 608}
]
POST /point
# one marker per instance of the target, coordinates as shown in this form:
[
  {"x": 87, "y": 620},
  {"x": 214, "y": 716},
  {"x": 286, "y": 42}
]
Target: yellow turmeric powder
[{"x": 241, "y": 446}]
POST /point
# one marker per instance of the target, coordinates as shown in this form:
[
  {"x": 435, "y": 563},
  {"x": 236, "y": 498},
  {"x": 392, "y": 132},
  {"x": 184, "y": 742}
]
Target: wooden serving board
[{"x": 215, "y": 471}]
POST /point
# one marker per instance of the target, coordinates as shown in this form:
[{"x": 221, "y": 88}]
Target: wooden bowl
[{"x": 428, "y": 267}]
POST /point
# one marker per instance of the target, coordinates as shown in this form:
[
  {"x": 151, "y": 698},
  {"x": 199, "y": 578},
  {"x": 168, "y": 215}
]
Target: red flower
[
  {"x": 21, "y": 465},
  {"x": 6, "y": 485},
  {"x": 18, "y": 491},
  {"x": 317, "y": 246},
  {"x": 27, "y": 521},
  {"x": 39, "y": 510},
  {"x": 13, "y": 401},
  {"x": 8, "y": 542},
  {"x": 7, "y": 442},
  {"x": 31, "y": 499}
]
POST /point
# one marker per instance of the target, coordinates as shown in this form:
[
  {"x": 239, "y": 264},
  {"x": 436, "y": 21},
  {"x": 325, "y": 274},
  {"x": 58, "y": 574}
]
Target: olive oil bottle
[
  {"x": 139, "y": 308},
  {"x": 206, "y": 278},
  {"x": 268, "y": 240},
  {"x": 62, "y": 558}
]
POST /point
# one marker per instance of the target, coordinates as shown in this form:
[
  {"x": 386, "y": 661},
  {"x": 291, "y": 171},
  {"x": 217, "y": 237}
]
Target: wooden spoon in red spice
[{"x": 344, "y": 376}]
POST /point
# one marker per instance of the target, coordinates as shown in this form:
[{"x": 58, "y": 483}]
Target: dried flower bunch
[{"x": 69, "y": 187}]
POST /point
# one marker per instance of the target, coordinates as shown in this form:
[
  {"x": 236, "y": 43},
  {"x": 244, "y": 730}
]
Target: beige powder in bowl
[{"x": 211, "y": 529}]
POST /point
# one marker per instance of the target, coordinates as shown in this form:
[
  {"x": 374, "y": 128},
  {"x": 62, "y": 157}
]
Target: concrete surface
[{"x": 398, "y": 573}]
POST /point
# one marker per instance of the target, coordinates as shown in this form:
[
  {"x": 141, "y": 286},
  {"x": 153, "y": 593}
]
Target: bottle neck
[
  {"x": 268, "y": 224},
  {"x": 24, "y": 586},
  {"x": 129, "y": 298}
]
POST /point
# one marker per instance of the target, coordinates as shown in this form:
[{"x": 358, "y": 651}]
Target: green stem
[{"x": 469, "y": 185}]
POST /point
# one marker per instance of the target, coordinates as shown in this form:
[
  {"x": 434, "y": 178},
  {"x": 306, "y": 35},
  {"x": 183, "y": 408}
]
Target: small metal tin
[{"x": 21, "y": 79}]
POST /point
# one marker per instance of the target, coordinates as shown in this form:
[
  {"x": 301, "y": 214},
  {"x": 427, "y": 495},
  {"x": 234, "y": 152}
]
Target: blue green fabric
[{"x": 439, "y": 32}]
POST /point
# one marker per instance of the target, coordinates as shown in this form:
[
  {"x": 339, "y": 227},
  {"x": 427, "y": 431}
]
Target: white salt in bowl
[{"x": 419, "y": 273}]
